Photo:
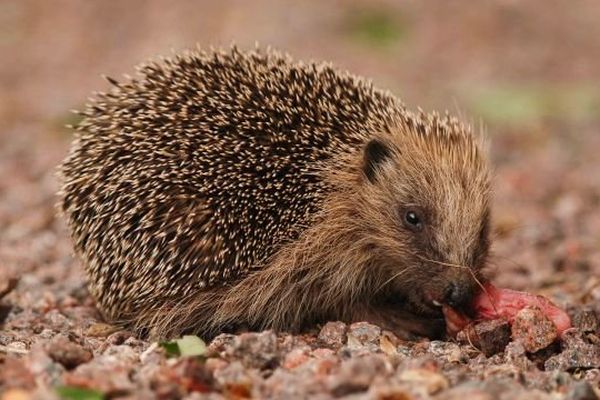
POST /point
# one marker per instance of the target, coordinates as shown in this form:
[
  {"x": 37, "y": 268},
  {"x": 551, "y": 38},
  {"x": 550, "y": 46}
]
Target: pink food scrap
[
  {"x": 506, "y": 303},
  {"x": 494, "y": 303}
]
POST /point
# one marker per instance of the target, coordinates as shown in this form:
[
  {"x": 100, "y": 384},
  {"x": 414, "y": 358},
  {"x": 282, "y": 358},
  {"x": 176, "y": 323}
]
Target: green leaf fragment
[
  {"x": 190, "y": 345},
  {"x": 171, "y": 348},
  {"x": 187, "y": 346},
  {"x": 76, "y": 393}
]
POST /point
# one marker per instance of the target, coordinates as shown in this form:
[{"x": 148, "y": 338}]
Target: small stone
[
  {"x": 592, "y": 375},
  {"x": 533, "y": 328},
  {"x": 491, "y": 336},
  {"x": 67, "y": 353},
  {"x": 433, "y": 382},
  {"x": 18, "y": 347},
  {"x": 295, "y": 358},
  {"x": 391, "y": 391},
  {"x": 256, "y": 350},
  {"x": 16, "y": 394},
  {"x": 448, "y": 351},
  {"x": 514, "y": 351},
  {"x": 110, "y": 378},
  {"x": 467, "y": 391},
  {"x": 14, "y": 373},
  {"x": 5, "y": 310},
  {"x": 134, "y": 343},
  {"x": 214, "y": 364},
  {"x": 101, "y": 330},
  {"x": 333, "y": 334},
  {"x": 322, "y": 353},
  {"x": 586, "y": 320},
  {"x": 7, "y": 284},
  {"x": 581, "y": 391},
  {"x": 356, "y": 375},
  {"x": 456, "y": 355},
  {"x": 234, "y": 380},
  {"x": 387, "y": 346},
  {"x": 57, "y": 321},
  {"x": 220, "y": 344},
  {"x": 323, "y": 367},
  {"x": 191, "y": 375},
  {"x": 541, "y": 356},
  {"x": 118, "y": 337},
  {"x": 364, "y": 335},
  {"x": 164, "y": 387},
  {"x": 41, "y": 364},
  {"x": 577, "y": 353},
  {"x": 123, "y": 354}
]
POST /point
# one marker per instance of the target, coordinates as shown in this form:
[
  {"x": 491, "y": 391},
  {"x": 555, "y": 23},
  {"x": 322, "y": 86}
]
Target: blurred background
[{"x": 528, "y": 72}]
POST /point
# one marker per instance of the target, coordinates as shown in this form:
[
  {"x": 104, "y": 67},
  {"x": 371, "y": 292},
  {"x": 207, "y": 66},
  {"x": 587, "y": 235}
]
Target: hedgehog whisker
[
  {"x": 513, "y": 262},
  {"x": 402, "y": 272}
]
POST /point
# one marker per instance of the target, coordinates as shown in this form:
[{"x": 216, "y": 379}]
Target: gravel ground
[{"x": 528, "y": 70}]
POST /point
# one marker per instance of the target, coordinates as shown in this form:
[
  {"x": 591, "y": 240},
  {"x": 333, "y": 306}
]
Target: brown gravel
[
  {"x": 586, "y": 319},
  {"x": 532, "y": 328},
  {"x": 62, "y": 350},
  {"x": 490, "y": 337}
]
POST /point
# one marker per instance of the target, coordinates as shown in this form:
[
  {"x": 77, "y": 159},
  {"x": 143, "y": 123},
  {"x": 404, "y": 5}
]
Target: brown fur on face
[{"x": 442, "y": 176}]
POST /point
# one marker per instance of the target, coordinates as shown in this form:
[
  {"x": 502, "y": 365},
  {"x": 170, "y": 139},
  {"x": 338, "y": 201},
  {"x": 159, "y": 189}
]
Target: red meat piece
[{"x": 494, "y": 303}]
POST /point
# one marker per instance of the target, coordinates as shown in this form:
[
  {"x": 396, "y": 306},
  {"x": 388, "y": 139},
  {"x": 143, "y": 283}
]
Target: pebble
[
  {"x": 333, "y": 334},
  {"x": 192, "y": 375},
  {"x": 220, "y": 344},
  {"x": 234, "y": 380},
  {"x": 67, "y": 353},
  {"x": 356, "y": 375},
  {"x": 123, "y": 354},
  {"x": 57, "y": 321},
  {"x": 101, "y": 330},
  {"x": 431, "y": 381},
  {"x": 213, "y": 364},
  {"x": 515, "y": 354},
  {"x": 592, "y": 375},
  {"x": 581, "y": 391},
  {"x": 21, "y": 347},
  {"x": 322, "y": 353},
  {"x": 387, "y": 346},
  {"x": 532, "y": 328},
  {"x": 108, "y": 378},
  {"x": 7, "y": 284},
  {"x": 577, "y": 353},
  {"x": 42, "y": 366},
  {"x": 16, "y": 394},
  {"x": 118, "y": 337},
  {"x": 256, "y": 350},
  {"x": 586, "y": 320},
  {"x": 491, "y": 337},
  {"x": 14, "y": 373},
  {"x": 363, "y": 335},
  {"x": 295, "y": 358},
  {"x": 392, "y": 391}
]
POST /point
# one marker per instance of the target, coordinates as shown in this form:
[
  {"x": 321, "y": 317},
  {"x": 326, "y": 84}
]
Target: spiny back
[{"x": 200, "y": 169}]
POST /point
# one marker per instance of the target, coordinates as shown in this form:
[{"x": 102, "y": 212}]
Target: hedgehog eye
[{"x": 413, "y": 220}]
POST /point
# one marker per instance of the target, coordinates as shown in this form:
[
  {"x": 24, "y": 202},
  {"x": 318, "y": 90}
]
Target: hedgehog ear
[{"x": 375, "y": 153}]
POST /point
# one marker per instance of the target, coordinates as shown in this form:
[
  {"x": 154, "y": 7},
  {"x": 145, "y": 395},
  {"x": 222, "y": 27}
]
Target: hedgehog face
[{"x": 426, "y": 202}]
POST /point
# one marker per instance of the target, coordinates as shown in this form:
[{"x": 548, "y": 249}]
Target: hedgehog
[{"x": 239, "y": 189}]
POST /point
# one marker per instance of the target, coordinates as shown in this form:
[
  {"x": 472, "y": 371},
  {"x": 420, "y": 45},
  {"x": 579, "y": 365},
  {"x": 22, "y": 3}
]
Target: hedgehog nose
[{"x": 458, "y": 295}]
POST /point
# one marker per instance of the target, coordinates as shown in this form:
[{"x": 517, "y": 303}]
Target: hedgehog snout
[{"x": 458, "y": 294}]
